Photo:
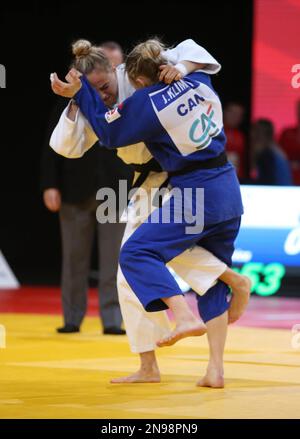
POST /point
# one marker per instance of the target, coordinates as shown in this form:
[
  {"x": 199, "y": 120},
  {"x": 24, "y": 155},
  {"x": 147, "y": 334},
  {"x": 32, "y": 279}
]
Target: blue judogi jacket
[{"x": 180, "y": 123}]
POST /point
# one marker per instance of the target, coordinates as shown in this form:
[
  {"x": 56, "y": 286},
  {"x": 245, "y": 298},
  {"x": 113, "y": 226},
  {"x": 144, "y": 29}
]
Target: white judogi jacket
[{"x": 72, "y": 139}]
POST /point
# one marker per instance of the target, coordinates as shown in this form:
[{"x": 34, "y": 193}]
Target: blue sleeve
[{"x": 131, "y": 122}]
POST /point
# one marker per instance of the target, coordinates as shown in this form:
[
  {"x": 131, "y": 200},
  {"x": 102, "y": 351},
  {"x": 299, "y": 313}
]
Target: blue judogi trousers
[{"x": 144, "y": 256}]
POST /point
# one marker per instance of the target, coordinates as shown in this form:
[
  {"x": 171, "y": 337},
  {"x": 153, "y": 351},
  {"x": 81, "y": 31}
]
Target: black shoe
[
  {"x": 68, "y": 328},
  {"x": 114, "y": 330}
]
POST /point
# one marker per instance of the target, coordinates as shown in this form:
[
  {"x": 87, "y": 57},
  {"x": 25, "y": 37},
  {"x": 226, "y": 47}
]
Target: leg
[
  {"x": 109, "y": 242},
  {"x": 147, "y": 373},
  {"x": 213, "y": 306},
  {"x": 187, "y": 324},
  {"x": 200, "y": 269},
  {"x": 143, "y": 329},
  {"x": 240, "y": 290},
  {"x": 216, "y": 335},
  {"x": 77, "y": 231}
]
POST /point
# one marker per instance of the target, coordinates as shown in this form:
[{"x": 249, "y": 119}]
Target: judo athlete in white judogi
[{"x": 144, "y": 329}]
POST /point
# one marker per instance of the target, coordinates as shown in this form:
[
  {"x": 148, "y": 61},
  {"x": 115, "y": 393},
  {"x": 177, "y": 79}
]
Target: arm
[
  {"x": 73, "y": 135},
  {"x": 132, "y": 122},
  {"x": 170, "y": 73},
  {"x": 51, "y": 165},
  {"x": 190, "y": 51}
]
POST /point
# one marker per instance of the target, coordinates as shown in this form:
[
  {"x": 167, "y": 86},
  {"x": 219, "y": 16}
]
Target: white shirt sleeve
[
  {"x": 72, "y": 139},
  {"x": 189, "y": 50}
]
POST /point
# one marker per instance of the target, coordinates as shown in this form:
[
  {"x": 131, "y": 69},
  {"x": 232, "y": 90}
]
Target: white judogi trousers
[{"x": 197, "y": 267}]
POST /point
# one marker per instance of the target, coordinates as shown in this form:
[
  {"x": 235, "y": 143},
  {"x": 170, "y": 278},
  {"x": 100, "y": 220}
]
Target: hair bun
[{"x": 81, "y": 48}]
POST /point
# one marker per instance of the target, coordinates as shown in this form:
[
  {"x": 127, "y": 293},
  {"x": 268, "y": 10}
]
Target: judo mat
[{"x": 49, "y": 375}]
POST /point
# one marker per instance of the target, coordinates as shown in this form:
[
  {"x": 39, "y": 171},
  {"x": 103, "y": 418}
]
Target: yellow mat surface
[{"x": 49, "y": 375}]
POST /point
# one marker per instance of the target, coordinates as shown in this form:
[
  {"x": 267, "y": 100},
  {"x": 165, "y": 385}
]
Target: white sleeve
[
  {"x": 189, "y": 50},
  {"x": 72, "y": 139}
]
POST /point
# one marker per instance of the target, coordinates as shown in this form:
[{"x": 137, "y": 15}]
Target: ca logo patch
[
  {"x": 112, "y": 115},
  {"x": 208, "y": 129}
]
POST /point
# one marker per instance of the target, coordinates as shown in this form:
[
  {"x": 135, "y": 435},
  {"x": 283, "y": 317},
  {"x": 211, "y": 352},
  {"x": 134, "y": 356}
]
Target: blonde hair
[
  {"x": 89, "y": 57},
  {"x": 145, "y": 59}
]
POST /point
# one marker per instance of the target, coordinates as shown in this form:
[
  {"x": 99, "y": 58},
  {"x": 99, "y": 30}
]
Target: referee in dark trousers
[{"x": 69, "y": 187}]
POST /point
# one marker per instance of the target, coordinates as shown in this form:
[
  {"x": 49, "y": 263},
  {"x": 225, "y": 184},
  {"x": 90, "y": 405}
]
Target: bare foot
[
  {"x": 187, "y": 329},
  {"x": 213, "y": 378},
  {"x": 138, "y": 377},
  {"x": 239, "y": 299}
]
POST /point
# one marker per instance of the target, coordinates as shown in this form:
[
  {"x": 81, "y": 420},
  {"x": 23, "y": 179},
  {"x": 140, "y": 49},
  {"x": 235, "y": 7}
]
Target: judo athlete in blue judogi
[{"x": 181, "y": 124}]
